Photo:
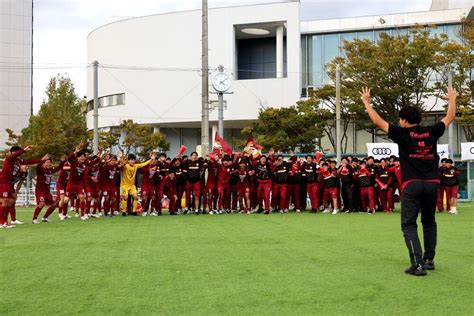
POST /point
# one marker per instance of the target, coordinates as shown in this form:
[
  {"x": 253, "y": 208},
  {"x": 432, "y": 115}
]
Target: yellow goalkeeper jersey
[{"x": 130, "y": 172}]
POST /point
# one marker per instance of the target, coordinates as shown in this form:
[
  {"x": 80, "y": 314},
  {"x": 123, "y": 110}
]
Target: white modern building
[
  {"x": 150, "y": 66},
  {"x": 16, "y": 44}
]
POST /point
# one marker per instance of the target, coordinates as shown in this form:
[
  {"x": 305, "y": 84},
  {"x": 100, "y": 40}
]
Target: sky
[{"x": 61, "y": 27}]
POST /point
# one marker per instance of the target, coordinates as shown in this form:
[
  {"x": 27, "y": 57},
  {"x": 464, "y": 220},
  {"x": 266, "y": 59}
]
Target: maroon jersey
[
  {"x": 7, "y": 176},
  {"x": 169, "y": 187},
  {"x": 148, "y": 175},
  {"x": 92, "y": 175},
  {"x": 263, "y": 172},
  {"x": 244, "y": 177},
  {"x": 329, "y": 179},
  {"x": 63, "y": 178},
  {"x": 43, "y": 178},
  {"x": 109, "y": 175},
  {"x": 212, "y": 171},
  {"x": 223, "y": 176},
  {"x": 77, "y": 173}
]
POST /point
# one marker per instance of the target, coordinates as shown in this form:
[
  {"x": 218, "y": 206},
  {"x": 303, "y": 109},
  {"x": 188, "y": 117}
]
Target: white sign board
[
  {"x": 443, "y": 151},
  {"x": 382, "y": 150},
  {"x": 467, "y": 151}
]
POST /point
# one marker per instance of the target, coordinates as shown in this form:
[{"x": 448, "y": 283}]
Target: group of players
[{"x": 106, "y": 185}]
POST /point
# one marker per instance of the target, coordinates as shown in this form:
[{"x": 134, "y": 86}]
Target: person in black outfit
[{"x": 419, "y": 160}]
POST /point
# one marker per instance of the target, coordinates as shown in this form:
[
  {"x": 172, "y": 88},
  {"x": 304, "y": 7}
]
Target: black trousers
[
  {"x": 346, "y": 193},
  {"x": 419, "y": 196}
]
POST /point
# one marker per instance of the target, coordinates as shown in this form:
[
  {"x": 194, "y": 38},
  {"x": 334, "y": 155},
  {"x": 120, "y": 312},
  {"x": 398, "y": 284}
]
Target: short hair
[
  {"x": 444, "y": 159},
  {"x": 81, "y": 153},
  {"x": 194, "y": 152},
  {"x": 411, "y": 114},
  {"x": 309, "y": 156},
  {"x": 278, "y": 157},
  {"x": 132, "y": 157},
  {"x": 449, "y": 161},
  {"x": 363, "y": 162},
  {"x": 163, "y": 155},
  {"x": 15, "y": 148},
  {"x": 325, "y": 164}
]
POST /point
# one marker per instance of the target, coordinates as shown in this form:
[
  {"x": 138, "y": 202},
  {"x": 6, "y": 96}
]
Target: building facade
[
  {"x": 16, "y": 44},
  {"x": 150, "y": 66}
]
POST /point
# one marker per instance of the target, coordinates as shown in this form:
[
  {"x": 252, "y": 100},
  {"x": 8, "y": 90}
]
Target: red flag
[
  {"x": 225, "y": 147},
  {"x": 182, "y": 150},
  {"x": 213, "y": 156},
  {"x": 318, "y": 156},
  {"x": 254, "y": 143}
]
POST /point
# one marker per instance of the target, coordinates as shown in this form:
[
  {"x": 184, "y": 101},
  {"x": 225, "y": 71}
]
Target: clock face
[{"x": 221, "y": 82}]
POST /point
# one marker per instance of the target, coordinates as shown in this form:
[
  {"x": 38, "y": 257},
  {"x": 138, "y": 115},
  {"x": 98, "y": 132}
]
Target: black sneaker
[
  {"x": 429, "y": 265},
  {"x": 124, "y": 214},
  {"x": 416, "y": 270},
  {"x": 266, "y": 212}
]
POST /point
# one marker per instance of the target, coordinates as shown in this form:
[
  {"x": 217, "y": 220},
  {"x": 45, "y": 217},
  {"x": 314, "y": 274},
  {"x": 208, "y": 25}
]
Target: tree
[
  {"x": 60, "y": 123},
  {"x": 141, "y": 140},
  {"x": 464, "y": 82},
  {"x": 401, "y": 70},
  {"x": 290, "y": 128},
  {"x": 107, "y": 139}
]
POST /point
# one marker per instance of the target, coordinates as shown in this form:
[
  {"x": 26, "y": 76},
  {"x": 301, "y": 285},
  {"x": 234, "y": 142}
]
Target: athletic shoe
[
  {"x": 204, "y": 213},
  {"x": 335, "y": 211},
  {"x": 45, "y": 220},
  {"x": 428, "y": 265},
  {"x": 178, "y": 212},
  {"x": 185, "y": 212},
  {"x": 115, "y": 213},
  {"x": 35, "y": 222},
  {"x": 196, "y": 212},
  {"x": 17, "y": 222},
  {"x": 416, "y": 270},
  {"x": 62, "y": 217},
  {"x": 76, "y": 215},
  {"x": 154, "y": 214},
  {"x": 298, "y": 211},
  {"x": 285, "y": 210},
  {"x": 220, "y": 212},
  {"x": 84, "y": 218},
  {"x": 6, "y": 226},
  {"x": 95, "y": 216},
  {"x": 326, "y": 211},
  {"x": 266, "y": 212},
  {"x": 453, "y": 212},
  {"x": 145, "y": 214},
  {"x": 124, "y": 214},
  {"x": 281, "y": 211},
  {"x": 72, "y": 209},
  {"x": 211, "y": 213}
]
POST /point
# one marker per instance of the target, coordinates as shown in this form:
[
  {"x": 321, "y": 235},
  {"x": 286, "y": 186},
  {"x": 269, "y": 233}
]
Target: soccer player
[
  {"x": 147, "y": 188},
  {"x": 193, "y": 168},
  {"x": 7, "y": 194},
  {"x": 281, "y": 172},
  {"x": 330, "y": 183},
  {"x": 243, "y": 187},
  {"x": 420, "y": 179},
  {"x": 310, "y": 172},
  {"x": 366, "y": 187},
  {"x": 110, "y": 173},
  {"x": 449, "y": 179},
  {"x": 294, "y": 179},
  {"x": 19, "y": 179},
  {"x": 75, "y": 184},
  {"x": 223, "y": 185},
  {"x": 44, "y": 173},
  {"x": 384, "y": 181},
  {"x": 127, "y": 186},
  {"x": 61, "y": 185},
  {"x": 345, "y": 175}
]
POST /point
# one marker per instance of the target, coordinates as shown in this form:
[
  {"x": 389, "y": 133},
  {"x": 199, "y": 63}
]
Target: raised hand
[
  {"x": 28, "y": 148},
  {"x": 452, "y": 94},
  {"x": 365, "y": 94},
  {"x": 45, "y": 157}
]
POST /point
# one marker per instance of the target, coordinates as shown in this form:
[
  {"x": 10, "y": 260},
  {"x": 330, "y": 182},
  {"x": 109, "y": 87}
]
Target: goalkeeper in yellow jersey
[{"x": 127, "y": 185}]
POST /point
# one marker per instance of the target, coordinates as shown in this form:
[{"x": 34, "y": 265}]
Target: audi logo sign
[
  {"x": 381, "y": 151},
  {"x": 471, "y": 150}
]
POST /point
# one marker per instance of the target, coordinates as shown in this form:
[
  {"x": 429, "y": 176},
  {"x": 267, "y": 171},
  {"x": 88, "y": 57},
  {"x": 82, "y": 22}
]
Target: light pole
[
  {"x": 338, "y": 114},
  {"x": 205, "y": 83}
]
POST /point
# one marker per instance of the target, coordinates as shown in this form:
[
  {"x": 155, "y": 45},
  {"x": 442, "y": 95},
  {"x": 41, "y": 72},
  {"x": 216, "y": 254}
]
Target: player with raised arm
[{"x": 419, "y": 175}]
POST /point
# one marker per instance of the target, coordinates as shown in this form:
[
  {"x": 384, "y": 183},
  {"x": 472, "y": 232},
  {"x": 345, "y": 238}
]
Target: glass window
[
  {"x": 400, "y": 31},
  {"x": 369, "y": 35},
  {"x": 331, "y": 51},
  {"x": 346, "y": 37},
  {"x": 453, "y": 32},
  {"x": 304, "y": 66},
  {"x": 377, "y": 34},
  {"x": 436, "y": 30},
  {"x": 316, "y": 61}
]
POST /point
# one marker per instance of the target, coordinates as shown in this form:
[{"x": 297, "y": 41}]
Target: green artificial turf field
[{"x": 232, "y": 264}]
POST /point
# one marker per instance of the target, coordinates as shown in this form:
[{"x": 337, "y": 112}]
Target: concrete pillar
[
  {"x": 279, "y": 51},
  {"x": 215, "y": 129}
]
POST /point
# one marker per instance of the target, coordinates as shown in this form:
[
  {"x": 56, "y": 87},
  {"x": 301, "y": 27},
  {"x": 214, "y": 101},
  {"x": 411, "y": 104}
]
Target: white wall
[
  {"x": 15, "y": 65},
  {"x": 174, "y": 41}
]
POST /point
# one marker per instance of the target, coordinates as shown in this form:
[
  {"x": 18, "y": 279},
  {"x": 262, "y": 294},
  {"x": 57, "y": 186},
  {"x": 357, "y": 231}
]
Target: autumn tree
[
  {"x": 60, "y": 123},
  {"x": 141, "y": 140},
  {"x": 297, "y": 127}
]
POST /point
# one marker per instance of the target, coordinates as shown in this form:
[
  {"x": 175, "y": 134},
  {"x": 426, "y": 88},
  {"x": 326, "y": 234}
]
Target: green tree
[
  {"x": 60, "y": 124},
  {"x": 141, "y": 140},
  {"x": 297, "y": 127},
  {"x": 401, "y": 70},
  {"x": 107, "y": 139}
]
